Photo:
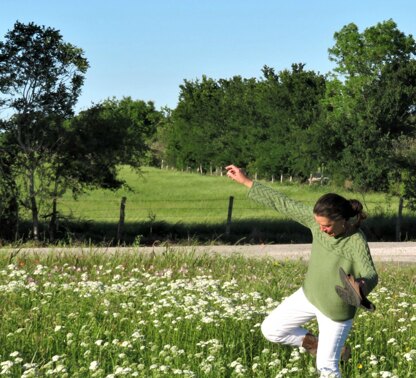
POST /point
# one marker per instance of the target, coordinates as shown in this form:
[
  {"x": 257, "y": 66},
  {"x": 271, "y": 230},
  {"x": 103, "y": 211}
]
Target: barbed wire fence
[
  {"x": 317, "y": 177},
  {"x": 220, "y": 211}
]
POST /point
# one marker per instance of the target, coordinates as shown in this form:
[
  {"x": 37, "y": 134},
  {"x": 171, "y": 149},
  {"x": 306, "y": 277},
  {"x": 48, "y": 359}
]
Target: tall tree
[
  {"x": 403, "y": 183},
  {"x": 196, "y": 124},
  {"x": 97, "y": 142},
  {"x": 360, "y": 133},
  {"x": 40, "y": 80},
  {"x": 144, "y": 121},
  {"x": 365, "y": 54},
  {"x": 304, "y": 91},
  {"x": 394, "y": 96},
  {"x": 271, "y": 154},
  {"x": 9, "y": 207},
  {"x": 261, "y": 124}
]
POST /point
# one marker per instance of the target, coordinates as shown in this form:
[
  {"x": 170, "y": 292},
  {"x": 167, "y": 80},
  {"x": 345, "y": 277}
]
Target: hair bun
[{"x": 357, "y": 209}]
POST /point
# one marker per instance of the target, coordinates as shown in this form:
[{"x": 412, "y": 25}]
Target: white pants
[{"x": 282, "y": 325}]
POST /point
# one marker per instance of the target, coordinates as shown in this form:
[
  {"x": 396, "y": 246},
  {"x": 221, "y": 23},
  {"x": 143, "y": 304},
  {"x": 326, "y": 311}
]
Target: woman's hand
[{"x": 238, "y": 175}]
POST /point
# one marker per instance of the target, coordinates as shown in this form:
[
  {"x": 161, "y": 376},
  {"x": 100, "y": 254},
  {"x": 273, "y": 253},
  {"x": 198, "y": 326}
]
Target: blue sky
[{"x": 146, "y": 48}]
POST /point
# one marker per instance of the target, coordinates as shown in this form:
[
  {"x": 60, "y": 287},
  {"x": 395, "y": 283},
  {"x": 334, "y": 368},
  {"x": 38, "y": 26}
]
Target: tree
[
  {"x": 271, "y": 134},
  {"x": 9, "y": 209},
  {"x": 288, "y": 104},
  {"x": 197, "y": 124},
  {"x": 365, "y": 54},
  {"x": 108, "y": 135},
  {"x": 396, "y": 98},
  {"x": 360, "y": 132},
  {"x": 259, "y": 124},
  {"x": 304, "y": 91},
  {"x": 215, "y": 122},
  {"x": 40, "y": 80},
  {"x": 403, "y": 183},
  {"x": 144, "y": 121},
  {"x": 97, "y": 142}
]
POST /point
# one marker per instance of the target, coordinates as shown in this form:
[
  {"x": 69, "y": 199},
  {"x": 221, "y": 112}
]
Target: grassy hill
[
  {"x": 174, "y": 196},
  {"x": 167, "y": 205}
]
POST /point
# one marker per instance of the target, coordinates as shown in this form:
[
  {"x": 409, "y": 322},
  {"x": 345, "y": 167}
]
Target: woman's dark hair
[{"x": 336, "y": 207}]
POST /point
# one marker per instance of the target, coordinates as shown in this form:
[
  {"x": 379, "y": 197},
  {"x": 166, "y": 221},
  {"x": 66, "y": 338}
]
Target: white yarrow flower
[{"x": 94, "y": 365}]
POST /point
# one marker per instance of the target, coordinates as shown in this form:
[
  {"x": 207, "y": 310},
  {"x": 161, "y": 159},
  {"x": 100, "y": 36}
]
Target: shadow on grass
[{"x": 251, "y": 231}]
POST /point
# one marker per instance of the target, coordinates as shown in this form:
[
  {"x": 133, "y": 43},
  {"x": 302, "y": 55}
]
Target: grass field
[
  {"x": 186, "y": 208},
  {"x": 180, "y": 315},
  {"x": 174, "y": 196}
]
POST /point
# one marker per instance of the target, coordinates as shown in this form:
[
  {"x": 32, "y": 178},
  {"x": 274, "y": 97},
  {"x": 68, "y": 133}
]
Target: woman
[{"x": 337, "y": 243}]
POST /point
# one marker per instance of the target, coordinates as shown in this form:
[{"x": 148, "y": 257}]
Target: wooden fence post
[
  {"x": 120, "y": 228},
  {"x": 399, "y": 221},
  {"x": 230, "y": 213}
]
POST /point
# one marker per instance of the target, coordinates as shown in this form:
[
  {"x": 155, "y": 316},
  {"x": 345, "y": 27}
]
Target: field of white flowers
[{"x": 180, "y": 315}]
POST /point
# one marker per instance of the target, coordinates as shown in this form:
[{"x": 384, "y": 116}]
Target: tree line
[{"x": 357, "y": 122}]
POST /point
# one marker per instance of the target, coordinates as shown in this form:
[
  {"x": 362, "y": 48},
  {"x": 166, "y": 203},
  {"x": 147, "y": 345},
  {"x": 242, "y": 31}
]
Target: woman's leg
[
  {"x": 332, "y": 336},
  {"x": 283, "y": 324}
]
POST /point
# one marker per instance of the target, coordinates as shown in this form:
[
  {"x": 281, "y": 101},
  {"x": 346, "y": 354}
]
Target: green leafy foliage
[
  {"x": 104, "y": 137},
  {"x": 263, "y": 124},
  {"x": 47, "y": 149},
  {"x": 358, "y": 123},
  {"x": 40, "y": 80},
  {"x": 373, "y": 105}
]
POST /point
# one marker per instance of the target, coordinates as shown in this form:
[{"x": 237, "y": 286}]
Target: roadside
[
  {"x": 404, "y": 252},
  {"x": 388, "y": 252}
]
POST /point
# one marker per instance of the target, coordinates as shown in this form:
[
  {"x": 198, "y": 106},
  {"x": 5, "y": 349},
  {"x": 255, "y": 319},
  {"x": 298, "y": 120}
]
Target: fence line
[
  {"x": 113, "y": 211},
  {"x": 316, "y": 177},
  {"x": 117, "y": 200},
  {"x": 123, "y": 212},
  {"x": 175, "y": 209}
]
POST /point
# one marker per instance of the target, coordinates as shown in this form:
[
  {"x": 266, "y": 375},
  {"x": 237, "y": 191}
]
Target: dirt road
[
  {"x": 404, "y": 252},
  {"x": 393, "y": 252}
]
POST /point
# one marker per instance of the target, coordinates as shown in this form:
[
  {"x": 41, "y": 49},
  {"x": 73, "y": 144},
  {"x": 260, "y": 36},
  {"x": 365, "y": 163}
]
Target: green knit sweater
[{"x": 328, "y": 254}]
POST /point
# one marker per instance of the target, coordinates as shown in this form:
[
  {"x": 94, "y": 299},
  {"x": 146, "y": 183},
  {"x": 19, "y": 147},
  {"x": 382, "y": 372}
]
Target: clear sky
[{"x": 146, "y": 48}]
